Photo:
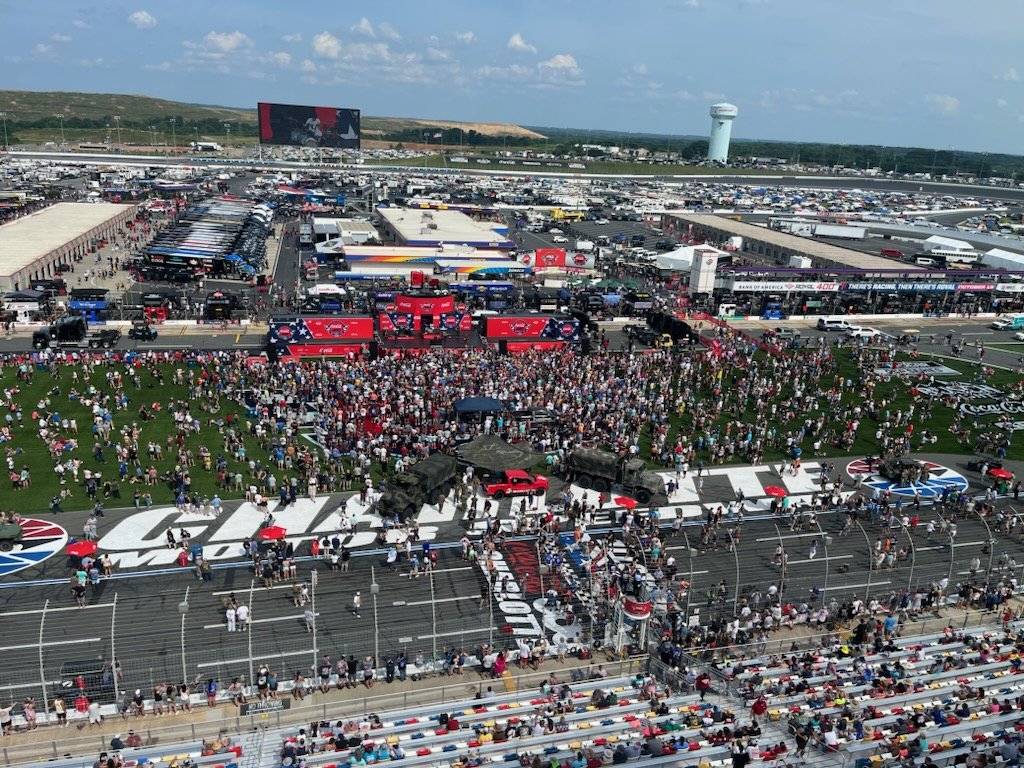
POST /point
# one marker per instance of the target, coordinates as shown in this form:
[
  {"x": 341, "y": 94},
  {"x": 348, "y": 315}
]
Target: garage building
[{"x": 32, "y": 247}]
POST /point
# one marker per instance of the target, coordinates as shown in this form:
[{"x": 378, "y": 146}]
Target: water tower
[{"x": 722, "y": 116}]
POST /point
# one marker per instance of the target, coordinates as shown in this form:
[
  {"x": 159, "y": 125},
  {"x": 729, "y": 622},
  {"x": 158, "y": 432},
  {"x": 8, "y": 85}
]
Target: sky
[{"x": 932, "y": 73}]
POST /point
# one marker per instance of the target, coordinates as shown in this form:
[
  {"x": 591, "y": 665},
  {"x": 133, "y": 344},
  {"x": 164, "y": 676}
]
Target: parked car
[
  {"x": 977, "y": 462},
  {"x": 559, "y": 239},
  {"x": 781, "y": 333},
  {"x": 142, "y": 332},
  {"x": 514, "y": 482}
]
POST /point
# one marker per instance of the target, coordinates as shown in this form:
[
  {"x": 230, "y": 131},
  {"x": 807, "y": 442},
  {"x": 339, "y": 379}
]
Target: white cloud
[
  {"x": 378, "y": 52},
  {"x": 943, "y": 104},
  {"x": 295, "y": 37},
  {"x": 59, "y": 38},
  {"x": 327, "y": 45},
  {"x": 42, "y": 48},
  {"x": 639, "y": 68},
  {"x": 1010, "y": 75},
  {"x": 143, "y": 19},
  {"x": 281, "y": 58},
  {"x": 465, "y": 37},
  {"x": 384, "y": 29},
  {"x": 437, "y": 54},
  {"x": 226, "y": 42},
  {"x": 79, "y": 24},
  {"x": 516, "y": 43},
  {"x": 562, "y": 63},
  {"x": 307, "y": 66},
  {"x": 683, "y": 96},
  {"x": 364, "y": 27},
  {"x": 712, "y": 95},
  {"x": 1002, "y": 103}
]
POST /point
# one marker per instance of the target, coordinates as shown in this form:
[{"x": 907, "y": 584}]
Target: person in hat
[
  {"x": 116, "y": 744},
  {"x": 134, "y": 741}
]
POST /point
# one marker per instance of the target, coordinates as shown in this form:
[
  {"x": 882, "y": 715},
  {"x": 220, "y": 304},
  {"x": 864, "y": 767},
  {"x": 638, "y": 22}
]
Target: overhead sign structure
[{"x": 304, "y": 126}]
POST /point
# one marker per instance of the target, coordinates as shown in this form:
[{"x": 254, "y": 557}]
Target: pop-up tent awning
[{"x": 477, "y": 405}]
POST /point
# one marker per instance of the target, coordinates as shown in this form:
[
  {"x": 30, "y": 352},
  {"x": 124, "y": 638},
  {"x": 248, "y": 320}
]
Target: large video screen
[{"x": 304, "y": 126}]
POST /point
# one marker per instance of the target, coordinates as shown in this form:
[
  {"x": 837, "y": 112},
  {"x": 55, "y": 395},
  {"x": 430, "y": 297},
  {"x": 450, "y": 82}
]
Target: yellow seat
[
  {"x": 582, "y": 726},
  {"x": 468, "y": 712},
  {"x": 612, "y": 739},
  {"x": 876, "y": 759},
  {"x": 575, "y": 745},
  {"x": 392, "y": 739},
  {"x": 486, "y": 738}
]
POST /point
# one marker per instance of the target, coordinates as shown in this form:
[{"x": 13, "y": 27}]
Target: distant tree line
[{"x": 183, "y": 126}]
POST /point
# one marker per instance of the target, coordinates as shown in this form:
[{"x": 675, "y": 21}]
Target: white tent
[
  {"x": 997, "y": 258},
  {"x": 940, "y": 243},
  {"x": 681, "y": 259}
]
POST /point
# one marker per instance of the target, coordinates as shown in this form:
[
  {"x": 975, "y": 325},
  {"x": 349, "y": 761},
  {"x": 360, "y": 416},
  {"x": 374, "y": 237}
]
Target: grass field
[
  {"x": 34, "y": 454},
  {"x": 898, "y": 396},
  {"x": 51, "y": 392}
]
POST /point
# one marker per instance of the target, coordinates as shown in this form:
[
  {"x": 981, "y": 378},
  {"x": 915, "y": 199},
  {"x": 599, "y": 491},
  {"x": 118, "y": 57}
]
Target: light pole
[
  {"x": 689, "y": 589},
  {"x": 913, "y": 556},
  {"x": 152, "y": 134},
  {"x": 117, "y": 121},
  {"x": 374, "y": 590},
  {"x": 825, "y": 541},
  {"x": 196, "y": 129},
  {"x": 871, "y": 561},
  {"x": 7, "y": 144},
  {"x": 991, "y": 544},
  {"x": 60, "y": 116},
  {"x": 227, "y": 132},
  {"x": 183, "y": 610},
  {"x": 433, "y": 614},
  {"x": 174, "y": 135}
]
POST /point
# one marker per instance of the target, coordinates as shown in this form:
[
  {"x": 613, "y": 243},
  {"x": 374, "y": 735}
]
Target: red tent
[
  {"x": 273, "y": 533},
  {"x": 82, "y": 548}
]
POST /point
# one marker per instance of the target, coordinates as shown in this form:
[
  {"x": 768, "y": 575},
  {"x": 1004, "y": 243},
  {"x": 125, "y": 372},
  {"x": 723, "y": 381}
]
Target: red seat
[{"x": 422, "y": 752}]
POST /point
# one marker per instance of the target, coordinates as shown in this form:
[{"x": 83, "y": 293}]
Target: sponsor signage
[
  {"x": 932, "y": 483},
  {"x": 917, "y": 368},
  {"x": 306, "y": 329},
  {"x": 1010, "y": 287},
  {"x": 776, "y": 286},
  {"x": 425, "y": 305},
  {"x": 306, "y": 126},
  {"x": 975, "y": 286},
  {"x": 264, "y": 707},
  {"x": 898, "y": 287},
  {"x": 499, "y": 327},
  {"x": 319, "y": 349},
  {"x": 519, "y": 347}
]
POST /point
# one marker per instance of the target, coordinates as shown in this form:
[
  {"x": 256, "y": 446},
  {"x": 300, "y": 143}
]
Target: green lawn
[
  {"x": 34, "y": 454},
  {"x": 51, "y": 392},
  {"x": 894, "y": 391}
]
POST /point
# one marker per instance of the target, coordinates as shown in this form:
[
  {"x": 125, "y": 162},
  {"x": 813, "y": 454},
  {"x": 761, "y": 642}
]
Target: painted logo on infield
[
  {"x": 41, "y": 539},
  {"x": 930, "y": 486}
]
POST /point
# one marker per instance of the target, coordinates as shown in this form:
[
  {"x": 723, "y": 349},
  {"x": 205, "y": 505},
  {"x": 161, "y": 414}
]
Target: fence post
[
  {"x": 42, "y": 668},
  {"x": 248, "y": 629},
  {"x": 113, "y": 651}
]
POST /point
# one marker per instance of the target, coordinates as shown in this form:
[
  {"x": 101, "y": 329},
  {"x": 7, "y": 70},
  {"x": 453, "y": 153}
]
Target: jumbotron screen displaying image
[{"x": 302, "y": 126}]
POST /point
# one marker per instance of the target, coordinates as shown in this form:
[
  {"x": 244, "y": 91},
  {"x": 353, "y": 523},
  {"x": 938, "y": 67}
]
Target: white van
[{"x": 833, "y": 324}]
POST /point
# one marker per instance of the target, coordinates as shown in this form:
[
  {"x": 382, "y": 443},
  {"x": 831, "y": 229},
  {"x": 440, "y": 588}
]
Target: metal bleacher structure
[{"x": 938, "y": 668}]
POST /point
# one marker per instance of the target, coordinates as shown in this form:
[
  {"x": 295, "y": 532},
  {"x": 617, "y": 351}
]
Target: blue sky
[{"x": 933, "y": 73}]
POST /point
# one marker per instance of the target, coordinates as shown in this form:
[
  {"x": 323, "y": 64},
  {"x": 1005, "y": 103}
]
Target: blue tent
[{"x": 478, "y": 405}]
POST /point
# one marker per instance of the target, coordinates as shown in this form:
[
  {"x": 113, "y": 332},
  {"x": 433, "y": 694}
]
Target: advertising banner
[
  {"x": 501, "y": 327},
  {"x": 777, "y": 286},
  {"x": 425, "y": 305},
  {"x": 518, "y": 347},
  {"x": 321, "y": 349},
  {"x": 392, "y": 322},
  {"x": 303, "y": 329},
  {"x": 306, "y": 126},
  {"x": 532, "y": 327},
  {"x": 455, "y": 321},
  {"x": 901, "y": 287}
]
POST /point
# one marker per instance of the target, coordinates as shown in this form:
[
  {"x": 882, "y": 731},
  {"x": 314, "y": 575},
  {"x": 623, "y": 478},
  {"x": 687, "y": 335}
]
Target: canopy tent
[
  {"x": 492, "y": 453},
  {"x": 477, "y": 405}
]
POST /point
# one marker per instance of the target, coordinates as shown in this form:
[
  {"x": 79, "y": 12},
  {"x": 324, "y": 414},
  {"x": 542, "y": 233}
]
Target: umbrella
[
  {"x": 777, "y": 491},
  {"x": 82, "y": 548},
  {"x": 625, "y": 501},
  {"x": 492, "y": 453},
  {"x": 1000, "y": 474},
  {"x": 272, "y": 533}
]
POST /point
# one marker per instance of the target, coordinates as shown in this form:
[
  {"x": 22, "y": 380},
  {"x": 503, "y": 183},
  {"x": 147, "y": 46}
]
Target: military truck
[
  {"x": 903, "y": 471},
  {"x": 73, "y": 332},
  {"x": 600, "y": 470},
  {"x": 10, "y": 534},
  {"x": 425, "y": 482}
]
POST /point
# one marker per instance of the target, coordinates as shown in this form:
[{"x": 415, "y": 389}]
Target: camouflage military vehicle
[
  {"x": 10, "y": 534},
  {"x": 425, "y": 482},
  {"x": 600, "y": 470},
  {"x": 903, "y": 471}
]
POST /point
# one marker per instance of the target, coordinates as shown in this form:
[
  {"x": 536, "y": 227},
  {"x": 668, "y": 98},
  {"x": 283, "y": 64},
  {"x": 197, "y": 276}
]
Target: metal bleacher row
[
  {"x": 427, "y": 743},
  {"x": 888, "y": 727}
]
